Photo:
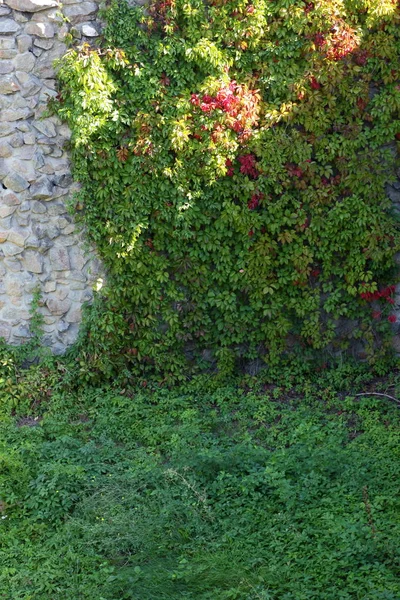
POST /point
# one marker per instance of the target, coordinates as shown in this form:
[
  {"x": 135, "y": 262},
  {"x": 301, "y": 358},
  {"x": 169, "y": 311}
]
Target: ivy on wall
[{"x": 233, "y": 156}]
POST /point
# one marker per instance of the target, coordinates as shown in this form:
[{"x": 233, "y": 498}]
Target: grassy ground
[{"x": 237, "y": 492}]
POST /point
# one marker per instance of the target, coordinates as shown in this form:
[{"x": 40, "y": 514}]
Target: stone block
[
  {"x": 44, "y": 44},
  {"x": 5, "y": 330},
  {"x": 6, "y": 211},
  {"x": 10, "y": 199},
  {"x": 32, "y": 242},
  {"x": 8, "y": 27},
  {"x": 11, "y": 115},
  {"x": 22, "y": 220},
  {"x": 29, "y": 84},
  {"x": 17, "y": 238},
  {"x": 78, "y": 12},
  {"x": 64, "y": 180},
  {"x": 77, "y": 285},
  {"x": 6, "y": 66},
  {"x": 15, "y": 182},
  {"x": 49, "y": 319},
  {"x": 63, "y": 32},
  {"x": 74, "y": 315},
  {"x": 51, "y": 14},
  {"x": 11, "y": 249},
  {"x": 25, "y": 152},
  {"x": 5, "y": 224},
  {"x": 56, "y": 209},
  {"x": 89, "y": 30},
  {"x": 8, "y": 85},
  {"x": 58, "y": 307},
  {"x": 29, "y": 138},
  {"x": 69, "y": 229},
  {"x": 43, "y": 145},
  {"x": 5, "y": 149},
  {"x": 45, "y": 127},
  {"x": 12, "y": 264},
  {"x": 6, "y": 43},
  {"x": 4, "y": 169},
  {"x": 22, "y": 331},
  {"x": 20, "y": 17},
  {"x": 59, "y": 349},
  {"x": 49, "y": 85},
  {"x": 61, "y": 293},
  {"x": 32, "y": 5},
  {"x": 6, "y": 129},
  {"x": 78, "y": 258},
  {"x": 14, "y": 287},
  {"x": 45, "y": 169},
  {"x": 42, "y": 30},
  {"x": 17, "y": 140},
  {"x": 24, "y": 62},
  {"x": 59, "y": 191},
  {"x": 23, "y": 127},
  {"x": 50, "y": 286},
  {"x": 59, "y": 258},
  {"x": 41, "y": 190},
  {"x": 63, "y": 326},
  {"x": 38, "y": 160},
  {"x": 7, "y": 54},
  {"x": 24, "y": 43},
  {"x": 62, "y": 222},
  {"x": 24, "y": 168},
  {"x": 32, "y": 262},
  {"x": 44, "y": 65},
  {"x": 17, "y": 102},
  {"x": 393, "y": 193},
  {"x": 52, "y": 232},
  {"x": 25, "y": 207},
  {"x": 38, "y": 208}
]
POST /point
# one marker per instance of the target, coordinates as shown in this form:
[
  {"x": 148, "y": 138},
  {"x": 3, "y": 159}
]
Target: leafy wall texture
[{"x": 240, "y": 173}]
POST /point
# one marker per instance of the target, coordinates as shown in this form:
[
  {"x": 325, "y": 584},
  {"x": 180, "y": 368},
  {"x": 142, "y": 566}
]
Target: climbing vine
[{"x": 233, "y": 156}]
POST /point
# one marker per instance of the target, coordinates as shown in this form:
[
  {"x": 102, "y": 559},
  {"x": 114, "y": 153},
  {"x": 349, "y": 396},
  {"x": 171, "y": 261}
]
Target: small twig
[{"x": 379, "y": 394}]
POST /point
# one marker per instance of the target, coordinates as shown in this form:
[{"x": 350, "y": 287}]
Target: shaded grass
[{"x": 196, "y": 493}]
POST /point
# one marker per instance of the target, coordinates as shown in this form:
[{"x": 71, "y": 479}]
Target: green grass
[{"x": 202, "y": 494}]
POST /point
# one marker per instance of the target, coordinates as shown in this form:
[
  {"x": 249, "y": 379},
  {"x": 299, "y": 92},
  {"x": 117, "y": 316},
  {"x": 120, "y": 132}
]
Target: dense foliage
[
  {"x": 233, "y": 156},
  {"x": 242, "y": 492}
]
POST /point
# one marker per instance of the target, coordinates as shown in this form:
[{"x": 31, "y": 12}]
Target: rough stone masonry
[{"x": 39, "y": 247}]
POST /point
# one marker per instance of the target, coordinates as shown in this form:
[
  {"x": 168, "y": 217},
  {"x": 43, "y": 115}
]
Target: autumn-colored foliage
[{"x": 234, "y": 157}]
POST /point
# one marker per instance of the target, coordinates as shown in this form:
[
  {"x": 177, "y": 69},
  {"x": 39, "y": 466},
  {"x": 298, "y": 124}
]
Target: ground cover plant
[
  {"x": 233, "y": 157},
  {"x": 246, "y": 489}
]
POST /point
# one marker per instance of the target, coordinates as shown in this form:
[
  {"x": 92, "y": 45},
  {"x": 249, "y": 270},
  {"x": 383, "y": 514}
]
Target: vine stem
[{"x": 379, "y": 394}]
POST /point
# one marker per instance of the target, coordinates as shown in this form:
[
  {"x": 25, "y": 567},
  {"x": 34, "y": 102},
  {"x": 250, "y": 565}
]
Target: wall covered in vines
[{"x": 235, "y": 159}]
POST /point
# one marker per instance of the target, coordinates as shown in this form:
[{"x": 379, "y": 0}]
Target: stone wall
[{"x": 39, "y": 246}]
